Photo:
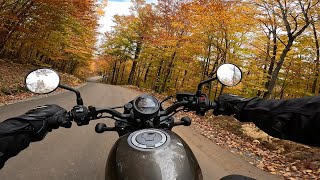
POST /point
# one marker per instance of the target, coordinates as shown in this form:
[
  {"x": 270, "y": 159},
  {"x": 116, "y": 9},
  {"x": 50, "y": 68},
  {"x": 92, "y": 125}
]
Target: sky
[{"x": 120, "y": 7}]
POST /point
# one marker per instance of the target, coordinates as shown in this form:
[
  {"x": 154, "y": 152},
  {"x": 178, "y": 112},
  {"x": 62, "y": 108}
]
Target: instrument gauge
[{"x": 146, "y": 106}]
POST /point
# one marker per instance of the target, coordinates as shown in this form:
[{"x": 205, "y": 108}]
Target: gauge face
[{"x": 146, "y": 105}]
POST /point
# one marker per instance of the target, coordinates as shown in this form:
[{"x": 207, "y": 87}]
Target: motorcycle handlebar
[
  {"x": 117, "y": 114},
  {"x": 165, "y": 112},
  {"x": 93, "y": 112},
  {"x": 113, "y": 112},
  {"x": 173, "y": 107}
]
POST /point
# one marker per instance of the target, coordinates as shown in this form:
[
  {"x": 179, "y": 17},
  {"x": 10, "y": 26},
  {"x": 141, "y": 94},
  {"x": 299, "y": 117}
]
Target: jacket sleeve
[
  {"x": 293, "y": 119},
  {"x": 14, "y": 137}
]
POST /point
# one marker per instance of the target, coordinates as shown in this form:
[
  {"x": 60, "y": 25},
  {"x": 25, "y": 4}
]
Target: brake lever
[
  {"x": 173, "y": 108},
  {"x": 166, "y": 99},
  {"x": 116, "y": 107}
]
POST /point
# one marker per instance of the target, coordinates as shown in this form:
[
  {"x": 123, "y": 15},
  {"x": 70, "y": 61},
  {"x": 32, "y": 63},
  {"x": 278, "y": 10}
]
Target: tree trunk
[
  {"x": 134, "y": 64},
  {"x": 164, "y": 85},
  {"x": 276, "y": 71},
  {"x": 216, "y": 90},
  {"x": 317, "y": 59},
  {"x": 147, "y": 73},
  {"x": 221, "y": 90},
  {"x": 292, "y": 35},
  {"x": 176, "y": 83},
  {"x": 156, "y": 87},
  {"x": 132, "y": 71},
  {"x": 207, "y": 61},
  {"x": 284, "y": 84},
  {"x": 210, "y": 88},
  {"x": 122, "y": 73},
  {"x": 272, "y": 63},
  {"x": 216, "y": 63},
  {"x": 113, "y": 72},
  {"x": 307, "y": 86},
  {"x": 265, "y": 71},
  {"x": 184, "y": 77},
  {"x": 117, "y": 73},
  {"x": 139, "y": 74}
]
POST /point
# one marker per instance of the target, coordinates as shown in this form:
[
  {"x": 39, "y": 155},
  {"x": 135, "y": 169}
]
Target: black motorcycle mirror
[
  {"x": 44, "y": 81},
  {"x": 227, "y": 74}
]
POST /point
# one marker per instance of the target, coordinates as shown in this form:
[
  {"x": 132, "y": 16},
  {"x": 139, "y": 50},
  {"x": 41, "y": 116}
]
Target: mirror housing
[
  {"x": 42, "y": 81},
  {"x": 229, "y": 74}
]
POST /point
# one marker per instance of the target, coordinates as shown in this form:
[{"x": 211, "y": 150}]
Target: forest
[
  {"x": 174, "y": 44},
  {"x": 171, "y": 46},
  {"x": 55, "y": 33}
]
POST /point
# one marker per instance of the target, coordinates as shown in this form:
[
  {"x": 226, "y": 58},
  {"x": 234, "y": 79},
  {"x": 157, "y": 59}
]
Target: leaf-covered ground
[
  {"x": 12, "y": 75},
  {"x": 288, "y": 159}
]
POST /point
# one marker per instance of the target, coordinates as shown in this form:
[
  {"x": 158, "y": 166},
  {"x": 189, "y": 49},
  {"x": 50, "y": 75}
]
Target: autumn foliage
[
  {"x": 56, "y": 33},
  {"x": 174, "y": 44}
]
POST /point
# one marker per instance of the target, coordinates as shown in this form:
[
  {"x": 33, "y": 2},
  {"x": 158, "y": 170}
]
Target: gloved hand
[
  {"x": 43, "y": 119},
  {"x": 229, "y": 104}
]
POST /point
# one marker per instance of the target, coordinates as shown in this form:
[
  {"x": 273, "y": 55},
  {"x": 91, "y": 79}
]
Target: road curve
[{"x": 79, "y": 153}]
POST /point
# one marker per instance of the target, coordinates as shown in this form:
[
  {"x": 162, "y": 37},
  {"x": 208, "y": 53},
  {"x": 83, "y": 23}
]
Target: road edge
[{"x": 39, "y": 96}]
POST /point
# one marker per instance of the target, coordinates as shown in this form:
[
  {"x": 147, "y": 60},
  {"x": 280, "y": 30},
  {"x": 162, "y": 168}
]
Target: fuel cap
[{"x": 148, "y": 139}]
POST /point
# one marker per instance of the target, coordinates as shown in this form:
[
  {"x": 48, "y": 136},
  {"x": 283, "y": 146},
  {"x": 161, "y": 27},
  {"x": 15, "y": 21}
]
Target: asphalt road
[{"x": 80, "y": 153}]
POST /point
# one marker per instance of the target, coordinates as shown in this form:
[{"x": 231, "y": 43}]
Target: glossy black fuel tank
[{"x": 152, "y": 154}]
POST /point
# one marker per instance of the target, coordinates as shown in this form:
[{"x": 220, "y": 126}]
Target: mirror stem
[
  {"x": 79, "y": 99},
  {"x": 199, "y": 91}
]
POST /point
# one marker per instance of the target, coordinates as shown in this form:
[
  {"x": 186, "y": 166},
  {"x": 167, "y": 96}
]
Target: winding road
[{"x": 79, "y": 153}]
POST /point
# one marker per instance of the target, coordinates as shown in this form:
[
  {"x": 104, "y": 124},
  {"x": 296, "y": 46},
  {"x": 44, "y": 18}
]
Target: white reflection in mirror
[
  {"x": 42, "y": 81},
  {"x": 229, "y": 74}
]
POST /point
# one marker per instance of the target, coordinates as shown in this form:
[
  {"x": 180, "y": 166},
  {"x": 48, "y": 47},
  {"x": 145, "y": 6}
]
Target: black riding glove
[
  {"x": 229, "y": 104},
  {"x": 42, "y": 119}
]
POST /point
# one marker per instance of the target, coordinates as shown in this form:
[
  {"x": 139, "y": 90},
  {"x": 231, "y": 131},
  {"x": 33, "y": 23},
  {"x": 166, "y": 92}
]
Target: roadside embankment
[{"x": 12, "y": 75}]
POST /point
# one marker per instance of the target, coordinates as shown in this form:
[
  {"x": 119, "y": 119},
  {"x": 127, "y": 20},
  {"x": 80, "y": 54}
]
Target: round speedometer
[{"x": 146, "y": 106}]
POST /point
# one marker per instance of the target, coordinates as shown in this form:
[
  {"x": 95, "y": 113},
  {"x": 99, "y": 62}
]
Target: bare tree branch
[
  {"x": 285, "y": 18},
  {"x": 295, "y": 22},
  {"x": 281, "y": 41}
]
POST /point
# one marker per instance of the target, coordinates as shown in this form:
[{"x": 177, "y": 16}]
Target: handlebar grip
[
  {"x": 67, "y": 123},
  {"x": 59, "y": 121},
  {"x": 186, "y": 121}
]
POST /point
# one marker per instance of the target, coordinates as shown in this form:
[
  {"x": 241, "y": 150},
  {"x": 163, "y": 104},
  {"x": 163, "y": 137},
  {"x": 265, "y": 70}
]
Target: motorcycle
[{"x": 146, "y": 148}]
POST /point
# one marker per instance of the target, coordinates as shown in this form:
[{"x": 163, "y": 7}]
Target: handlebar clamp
[
  {"x": 203, "y": 105},
  {"x": 80, "y": 115}
]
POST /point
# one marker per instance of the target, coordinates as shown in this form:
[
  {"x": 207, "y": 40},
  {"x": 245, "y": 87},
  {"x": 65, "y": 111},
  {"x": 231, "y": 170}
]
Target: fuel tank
[{"x": 152, "y": 154}]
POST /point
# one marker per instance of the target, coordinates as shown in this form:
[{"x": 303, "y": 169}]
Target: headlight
[{"x": 146, "y": 106}]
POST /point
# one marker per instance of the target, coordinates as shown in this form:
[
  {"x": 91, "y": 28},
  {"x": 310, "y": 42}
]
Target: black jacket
[
  {"x": 293, "y": 119},
  {"x": 14, "y": 137}
]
